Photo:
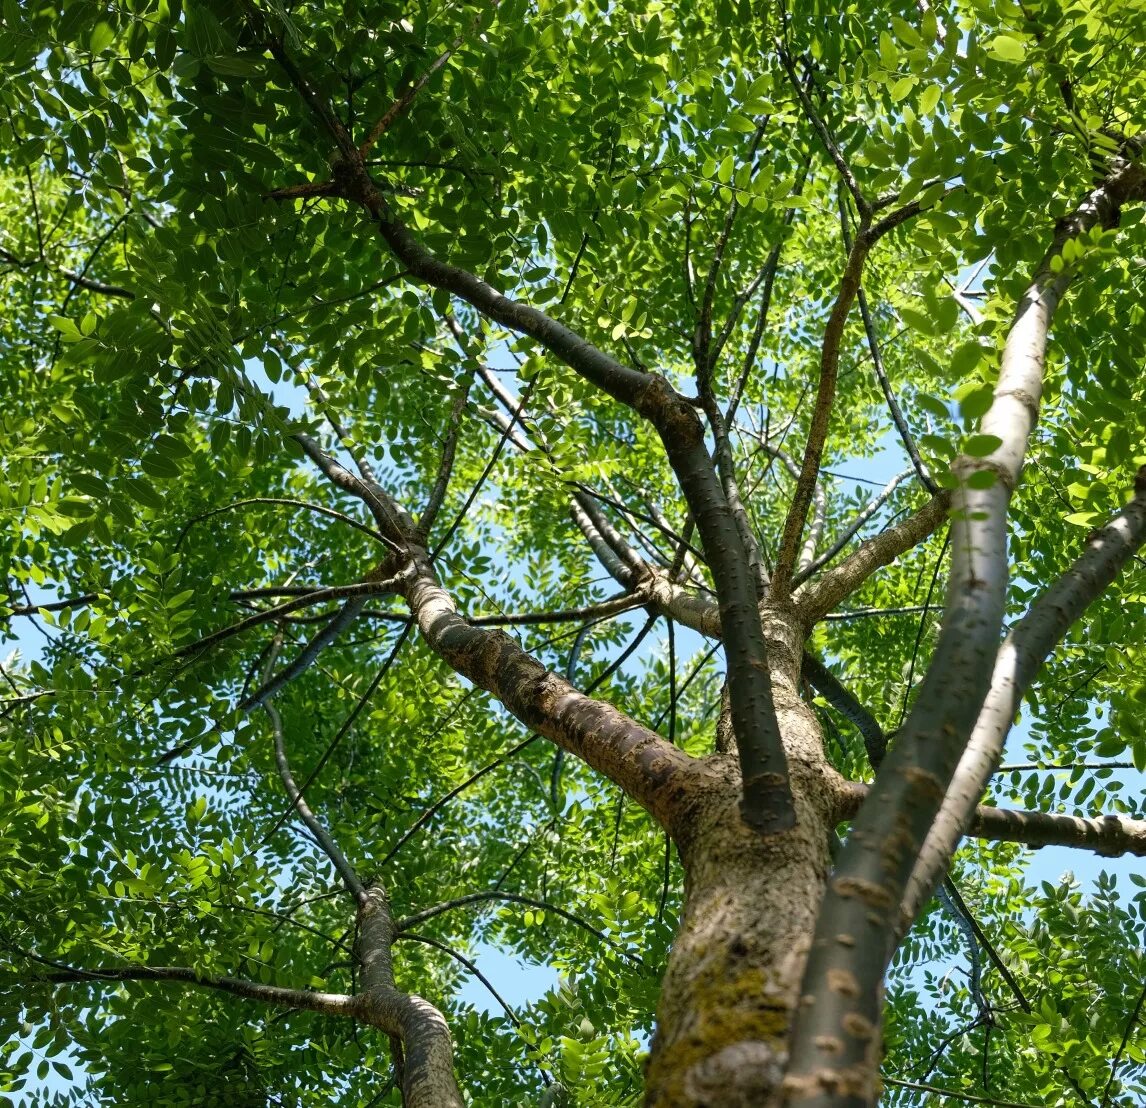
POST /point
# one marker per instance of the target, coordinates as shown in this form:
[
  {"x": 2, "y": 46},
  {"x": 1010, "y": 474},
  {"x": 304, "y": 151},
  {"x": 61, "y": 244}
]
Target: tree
[{"x": 395, "y": 398}]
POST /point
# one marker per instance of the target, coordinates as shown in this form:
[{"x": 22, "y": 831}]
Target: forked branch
[
  {"x": 767, "y": 801},
  {"x": 822, "y": 594},
  {"x": 1021, "y": 656},
  {"x": 832, "y": 1040}
]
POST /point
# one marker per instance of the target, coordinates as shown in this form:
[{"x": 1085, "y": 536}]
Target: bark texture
[
  {"x": 729, "y": 993},
  {"x": 427, "y": 1069}
]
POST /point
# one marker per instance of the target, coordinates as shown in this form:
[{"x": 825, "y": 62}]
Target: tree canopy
[{"x": 596, "y": 482}]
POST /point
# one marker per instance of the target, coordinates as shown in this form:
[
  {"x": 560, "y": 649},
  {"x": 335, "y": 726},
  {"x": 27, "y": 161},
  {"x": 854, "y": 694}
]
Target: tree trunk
[{"x": 750, "y": 905}]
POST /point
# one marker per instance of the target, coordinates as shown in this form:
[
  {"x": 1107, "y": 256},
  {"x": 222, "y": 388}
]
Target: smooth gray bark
[{"x": 1020, "y": 658}]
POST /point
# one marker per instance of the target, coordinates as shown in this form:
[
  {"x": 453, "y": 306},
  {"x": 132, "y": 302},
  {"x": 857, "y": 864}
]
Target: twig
[
  {"x": 849, "y": 532},
  {"x": 826, "y": 138},
  {"x": 1122, "y": 1046},
  {"x": 513, "y": 898},
  {"x": 318, "y": 509},
  {"x": 445, "y": 468},
  {"x": 881, "y": 373}
]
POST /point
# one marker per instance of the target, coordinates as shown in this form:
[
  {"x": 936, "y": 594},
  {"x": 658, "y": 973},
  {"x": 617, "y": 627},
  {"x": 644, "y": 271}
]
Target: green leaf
[
  {"x": 66, "y": 327},
  {"x": 976, "y": 403},
  {"x": 966, "y": 358},
  {"x": 1008, "y": 49},
  {"x": 102, "y": 36},
  {"x": 917, "y": 321},
  {"x": 929, "y": 98},
  {"x": 933, "y": 405},
  {"x": 902, "y": 89},
  {"x": 979, "y": 446}
]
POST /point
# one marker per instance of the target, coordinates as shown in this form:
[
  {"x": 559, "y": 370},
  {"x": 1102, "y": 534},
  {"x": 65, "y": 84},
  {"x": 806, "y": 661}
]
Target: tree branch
[
  {"x": 845, "y": 536},
  {"x": 844, "y": 701},
  {"x": 321, "y": 836},
  {"x": 819, "y": 512},
  {"x": 771, "y": 265},
  {"x": 1111, "y": 836},
  {"x": 1020, "y": 658},
  {"x": 305, "y": 600},
  {"x": 953, "y": 1094},
  {"x": 328, "y": 1004},
  {"x": 393, "y": 520},
  {"x": 821, "y": 128},
  {"x": 821, "y": 415},
  {"x": 831, "y": 1047},
  {"x": 402, "y": 104},
  {"x": 446, "y": 467},
  {"x": 417, "y": 918},
  {"x": 816, "y": 598},
  {"x": 637, "y": 759},
  {"x": 893, "y": 407},
  {"x": 342, "y": 619},
  {"x": 704, "y": 355},
  {"x": 632, "y": 756},
  {"x": 52, "y": 606},
  {"x": 767, "y": 803},
  {"x": 428, "y": 1056},
  {"x": 318, "y": 509}
]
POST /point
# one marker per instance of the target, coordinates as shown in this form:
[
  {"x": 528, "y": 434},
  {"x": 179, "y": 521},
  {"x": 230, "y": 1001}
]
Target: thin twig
[{"x": 446, "y": 467}]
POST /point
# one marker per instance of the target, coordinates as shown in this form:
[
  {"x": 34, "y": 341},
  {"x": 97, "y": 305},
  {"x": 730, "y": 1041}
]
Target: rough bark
[
  {"x": 428, "y": 1054},
  {"x": 730, "y": 988},
  {"x": 750, "y": 903}
]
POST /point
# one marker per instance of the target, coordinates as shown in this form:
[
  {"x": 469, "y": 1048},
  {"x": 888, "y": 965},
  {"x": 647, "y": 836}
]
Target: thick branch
[
  {"x": 819, "y": 513},
  {"x": 726, "y": 468},
  {"x": 841, "y": 698},
  {"x": 832, "y": 1044},
  {"x": 1021, "y": 656},
  {"x": 608, "y": 544},
  {"x": 1110, "y": 836},
  {"x": 428, "y": 1071},
  {"x": 635, "y": 758}
]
